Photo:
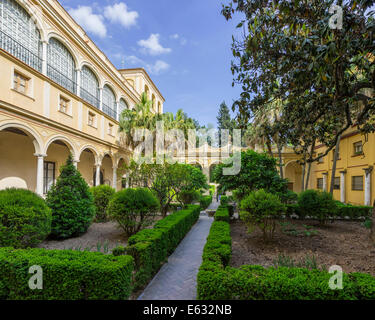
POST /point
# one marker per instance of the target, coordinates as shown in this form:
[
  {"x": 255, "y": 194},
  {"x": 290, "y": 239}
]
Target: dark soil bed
[{"x": 343, "y": 243}]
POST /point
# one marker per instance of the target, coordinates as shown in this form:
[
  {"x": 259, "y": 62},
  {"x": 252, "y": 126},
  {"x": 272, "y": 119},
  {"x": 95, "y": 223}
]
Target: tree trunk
[
  {"x": 308, "y": 176},
  {"x": 372, "y": 233},
  {"x": 303, "y": 177},
  {"x": 280, "y": 161},
  {"x": 335, "y": 157}
]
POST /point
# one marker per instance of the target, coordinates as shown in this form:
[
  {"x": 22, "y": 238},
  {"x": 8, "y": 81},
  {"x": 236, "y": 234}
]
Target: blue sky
[{"x": 184, "y": 45}]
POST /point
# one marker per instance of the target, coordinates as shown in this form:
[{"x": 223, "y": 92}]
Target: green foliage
[
  {"x": 25, "y": 219},
  {"x": 308, "y": 262},
  {"x": 151, "y": 247},
  {"x": 119, "y": 251},
  {"x": 222, "y": 214},
  {"x": 205, "y": 202},
  {"x": 224, "y": 201},
  {"x": 67, "y": 275},
  {"x": 217, "y": 281},
  {"x": 189, "y": 196},
  {"x": 133, "y": 209},
  {"x": 352, "y": 211},
  {"x": 317, "y": 204},
  {"x": 71, "y": 203},
  {"x": 102, "y": 195},
  {"x": 258, "y": 171},
  {"x": 261, "y": 209}
]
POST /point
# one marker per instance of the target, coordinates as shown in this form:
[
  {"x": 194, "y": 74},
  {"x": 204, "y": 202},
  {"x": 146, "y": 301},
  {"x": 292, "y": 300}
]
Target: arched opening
[
  {"x": 18, "y": 165},
  {"x": 198, "y": 166},
  {"x": 123, "y": 106},
  {"x": 159, "y": 107},
  {"x": 107, "y": 170},
  {"x": 153, "y": 100},
  {"x": 61, "y": 66},
  {"x": 19, "y": 34},
  {"x": 109, "y": 102},
  {"x": 293, "y": 172},
  {"x": 87, "y": 165},
  {"x": 147, "y": 91},
  {"x": 57, "y": 153},
  {"x": 122, "y": 181},
  {"x": 89, "y": 90}
]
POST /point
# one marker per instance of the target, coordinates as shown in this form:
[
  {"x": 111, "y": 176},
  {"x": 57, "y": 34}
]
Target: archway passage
[
  {"x": 18, "y": 166},
  {"x": 87, "y": 166},
  {"x": 212, "y": 169},
  {"x": 107, "y": 171},
  {"x": 57, "y": 154},
  {"x": 293, "y": 172}
]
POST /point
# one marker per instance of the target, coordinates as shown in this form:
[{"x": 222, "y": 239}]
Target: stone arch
[
  {"x": 92, "y": 149},
  {"x": 66, "y": 141},
  {"x": 293, "y": 172},
  {"x": 89, "y": 65},
  {"x": 66, "y": 43},
  {"x": 30, "y": 132}
]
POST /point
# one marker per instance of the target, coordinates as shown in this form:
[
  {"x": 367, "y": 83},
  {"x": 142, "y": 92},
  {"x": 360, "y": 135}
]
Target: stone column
[
  {"x": 101, "y": 99},
  {"x": 44, "y": 57},
  {"x": 40, "y": 174},
  {"x": 114, "y": 177},
  {"x": 75, "y": 162},
  {"x": 325, "y": 178},
  {"x": 368, "y": 186},
  {"x": 342, "y": 186},
  {"x": 78, "y": 72},
  {"x": 97, "y": 176}
]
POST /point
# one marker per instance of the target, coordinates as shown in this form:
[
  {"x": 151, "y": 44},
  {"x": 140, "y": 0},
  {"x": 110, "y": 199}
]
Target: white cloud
[
  {"x": 119, "y": 13},
  {"x": 157, "y": 68},
  {"x": 174, "y": 36},
  {"x": 89, "y": 21},
  {"x": 152, "y": 45}
]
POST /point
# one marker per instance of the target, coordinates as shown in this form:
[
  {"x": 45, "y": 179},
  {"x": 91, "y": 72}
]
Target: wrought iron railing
[
  {"x": 61, "y": 79},
  {"x": 90, "y": 98},
  {"x": 110, "y": 111},
  {"x": 16, "y": 49}
]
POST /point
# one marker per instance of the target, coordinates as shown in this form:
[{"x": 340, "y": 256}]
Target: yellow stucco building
[{"x": 58, "y": 94}]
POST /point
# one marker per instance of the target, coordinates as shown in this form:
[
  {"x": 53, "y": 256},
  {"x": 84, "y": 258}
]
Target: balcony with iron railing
[
  {"x": 90, "y": 98},
  {"x": 61, "y": 79},
  {"x": 110, "y": 111},
  {"x": 16, "y": 49}
]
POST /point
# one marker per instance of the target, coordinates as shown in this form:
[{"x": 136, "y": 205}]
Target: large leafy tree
[
  {"x": 324, "y": 76},
  {"x": 224, "y": 120},
  {"x": 258, "y": 171}
]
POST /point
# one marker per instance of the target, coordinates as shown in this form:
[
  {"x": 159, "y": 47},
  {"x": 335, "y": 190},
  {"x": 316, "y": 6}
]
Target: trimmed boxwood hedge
[
  {"x": 151, "y": 247},
  {"x": 205, "y": 202},
  {"x": 222, "y": 213},
  {"x": 67, "y": 275},
  {"x": 218, "y": 281}
]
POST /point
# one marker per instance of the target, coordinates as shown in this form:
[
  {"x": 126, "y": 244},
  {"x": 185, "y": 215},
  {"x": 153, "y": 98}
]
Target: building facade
[{"x": 60, "y": 94}]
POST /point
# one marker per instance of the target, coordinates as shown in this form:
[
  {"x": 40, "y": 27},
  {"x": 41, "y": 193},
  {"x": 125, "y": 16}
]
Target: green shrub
[
  {"x": 67, "y": 275},
  {"x": 224, "y": 200},
  {"x": 205, "y": 202},
  {"x": 261, "y": 209},
  {"x": 102, "y": 195},
  {"x": 119, "y": 251},
  {"x": 231, "y": 210},
  {"x": 133, "y": 209},
  {"x": 71, "y": 203},
  {"x": 25, "y": 219},
  {"x": 189, "y": 197},
  {"x": 151, "y": 247},
  {"x": 222, "y": 214},
  {"x": 316, "y": 204},
  {"x": 353, "y": 212}
]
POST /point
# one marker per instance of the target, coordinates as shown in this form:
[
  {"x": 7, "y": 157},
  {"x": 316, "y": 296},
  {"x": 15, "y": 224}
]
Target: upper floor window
[
  {"x": 159, "y": 107},
  {"x": 357, "y": 183},
  {"x": 358, "y": 148},
  {"x": 61, "y": 66},
  {"x": 319, "y": 183},
  {"x": 90, "y": 87},
  {"x": 19, "y": 35},
  {"x": 123, "y": 106},
  {"x": 64, "y": 105},
  {"x": 21, "y": 83},
  {"x": 109, "y": 102},
  {"x": 321, "y": 160}
]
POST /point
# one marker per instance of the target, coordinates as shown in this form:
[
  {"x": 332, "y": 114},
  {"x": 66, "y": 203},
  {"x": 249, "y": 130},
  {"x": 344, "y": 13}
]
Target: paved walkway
[{"x": 176, "y": 280}]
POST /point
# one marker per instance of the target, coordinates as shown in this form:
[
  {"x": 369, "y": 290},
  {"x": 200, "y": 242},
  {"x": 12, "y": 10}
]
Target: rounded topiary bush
[
  {"x": 133, "y": 209},
  {"x": 71, "y": 202},
  {"x": 102, "y": 195},
  {"x": 25, "y": 219},
  {"x": 315, "y": 204}
]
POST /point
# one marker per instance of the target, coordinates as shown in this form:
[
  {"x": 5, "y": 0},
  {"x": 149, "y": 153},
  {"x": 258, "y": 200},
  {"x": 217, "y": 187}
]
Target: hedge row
[
  {"x": 67, "y": 275},
  {"x": 205, "y": 202},
  {"x": 222, "y": 213},
  {"x": 151, "y": 247},
  {"x": 218, "y": 281},
  {"x": 344, "y": 211}
]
